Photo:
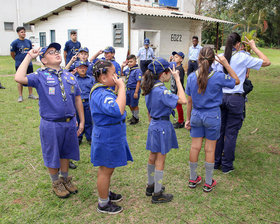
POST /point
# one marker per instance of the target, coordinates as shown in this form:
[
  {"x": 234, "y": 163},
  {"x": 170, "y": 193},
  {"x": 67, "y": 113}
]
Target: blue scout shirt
[
  {"x": 213, "y": 94},
  {"x": 194, "y": 52},
  {"x": 51, "y": 104},
  {"x": 146, "y": 53},
  {"x": 85, "y": 84},
  {"x": 116, "y": 64},
  {"x": 160, "y": 101},
  {"x": 240, "y": 62},
  {"x": 133, "y": 75},
  {"x": 71, "y": 48},
  {"x": 21, "y": 48},
  {"x": 89, "y": 67}
]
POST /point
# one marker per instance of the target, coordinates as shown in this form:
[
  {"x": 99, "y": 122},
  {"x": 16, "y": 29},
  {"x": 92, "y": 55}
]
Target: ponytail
[
  {"x": 205, "y": 59},
  {"x": 101, "y": 67},
  {"x": 232, "y": 40}
]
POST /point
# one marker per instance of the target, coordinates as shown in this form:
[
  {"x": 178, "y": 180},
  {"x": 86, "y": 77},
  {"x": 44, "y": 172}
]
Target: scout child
[
  {"x": 59, "y": 95},
  {"x": 178, "y": 58},
  {"x": 161, "y": 137},
  {"x": 204, "y": 89},
  {"x": 109, "y": 148},
  {"x": 71, "y": 47},
  {"x": 133, "y": 80}
]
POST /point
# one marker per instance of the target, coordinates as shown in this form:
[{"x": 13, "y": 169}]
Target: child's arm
[
  {"x": 189, "y": 110},
  {"x": 80, "y": 109},
  {"x": 95, "y": 55},
  {"x": 122, "y": 67},
  {"x": 73, "y": 59},
  {"x": 65, "y": 55},
  {"x": 135, "y": 96},
  {"x": 247, "y": 74},
  {"x": 180, "y": 91},
  {"x": 13, "y": 54},
  {"x": 121, "y": 99},
  {"x": 20, "y": 75}
]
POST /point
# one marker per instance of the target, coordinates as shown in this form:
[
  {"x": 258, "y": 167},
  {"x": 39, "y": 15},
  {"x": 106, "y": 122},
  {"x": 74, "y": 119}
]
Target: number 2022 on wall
[{"x": 176, "y": 37}]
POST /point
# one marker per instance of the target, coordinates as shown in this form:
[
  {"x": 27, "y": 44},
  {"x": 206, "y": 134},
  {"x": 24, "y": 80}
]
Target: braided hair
[{"x": 101, "y": 67}]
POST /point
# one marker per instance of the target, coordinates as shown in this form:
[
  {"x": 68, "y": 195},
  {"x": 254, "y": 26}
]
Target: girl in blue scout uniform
[
  {"x": 161, "y": 138},
  {"x": 85, "y": 83},
  {"x": 204, "y": 89},
  {"x": 232, "y": 106},
  {"x": 59, "y": 97},
  {"x": 109, "y": 147},
  {"x": 133, "y": 80}
]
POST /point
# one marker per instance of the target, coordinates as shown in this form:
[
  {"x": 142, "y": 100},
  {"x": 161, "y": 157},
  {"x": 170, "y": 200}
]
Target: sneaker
[
  {"x": 150, "y": 189},
  {"x": 59, "y": 189},
  {"x": 72, "y": 165},
  {"x": 228, "y": 171},
  {"x": 80, "y": 141},
  {"x": 208, "y": 188},
  {"x": 69, "y": 186},
  {"x": 2, "y": 87},
  {"x": 134, "y": 121},
  {"x": 110, "y": 208},
  {"x": 31, "y": 96},
  {"x": 193, "y": 183},
  {"x": 178, "y": 125},
  {"x": 115, "y": 197},
  {"x": 161, "y": 198},
  {"x": 20, "y": 99},
  {"x": 217, "y": 167}
]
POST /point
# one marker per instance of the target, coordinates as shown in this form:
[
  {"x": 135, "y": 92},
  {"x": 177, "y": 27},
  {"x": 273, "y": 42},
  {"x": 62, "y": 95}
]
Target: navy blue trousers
[
  {"x": 231, "y": 121},
  {"x": 192, "y": 66},
  {"x": 88, "y": 122},
  {"x": 144, "y": 65}
]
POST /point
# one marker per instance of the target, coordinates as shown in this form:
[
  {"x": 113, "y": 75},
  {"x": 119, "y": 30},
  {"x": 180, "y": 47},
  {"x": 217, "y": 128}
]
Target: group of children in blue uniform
[{"x": 62, "y": 96}]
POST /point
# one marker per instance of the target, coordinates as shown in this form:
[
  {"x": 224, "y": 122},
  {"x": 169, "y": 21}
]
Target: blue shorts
[
  {"x": 130, "y": 101},
  {"x": 59, "y": 141},
  {"x": 206, "y": 123}
]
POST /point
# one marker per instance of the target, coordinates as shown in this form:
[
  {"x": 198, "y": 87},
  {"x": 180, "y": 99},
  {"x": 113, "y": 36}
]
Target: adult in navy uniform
[
  {"x": 193, "y": 55},
  {"x": 72, "y": 47},
  {"x": 232, "y": 106},
  {"x": 146, "y": 55},
  {"x": 19, "y": 49},
  {"x": 59, "y": 97}
]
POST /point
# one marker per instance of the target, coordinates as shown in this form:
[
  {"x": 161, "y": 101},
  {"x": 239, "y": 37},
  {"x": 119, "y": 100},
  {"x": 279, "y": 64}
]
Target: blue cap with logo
[
  {"x": 147, "y": 41},
  {"x": 159, "y": 65},
  {"x": 79, "y": 63},
  {"x": 85, "y": 49},
  {"x": 180, "y": 53},
  {"x": 44, "y": 49},
  {"x": 109, "y": 49}
]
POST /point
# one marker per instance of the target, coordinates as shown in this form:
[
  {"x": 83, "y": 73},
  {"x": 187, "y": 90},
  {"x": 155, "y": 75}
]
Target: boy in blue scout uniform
[
  {"x": 232, "y": 107},
  {"x": 71, "y": 47},
  {"x": 85, "y": 83},
  {"x": 133, "y": 76},
  {"x": 204, "y": 89},
  {"x": 59, "y": 95},
  {"x": 82, "y": 55},
  {"x": 19, "y": 49},
  {"x": 161, "y": 137},
  {"x": 109, "y": 147},
  {"x": 193, "y": 55},
  {"x": 146, "y": 55}
]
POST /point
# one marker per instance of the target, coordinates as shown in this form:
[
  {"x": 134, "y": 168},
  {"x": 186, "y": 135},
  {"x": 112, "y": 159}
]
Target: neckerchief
[
  {"x": 130, "y": 69},
  {"x": 157, "y": 84},
  {"x": 98, "y": 85}
]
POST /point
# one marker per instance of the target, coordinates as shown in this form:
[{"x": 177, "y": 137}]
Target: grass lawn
[{"x": 250, "y": 194}]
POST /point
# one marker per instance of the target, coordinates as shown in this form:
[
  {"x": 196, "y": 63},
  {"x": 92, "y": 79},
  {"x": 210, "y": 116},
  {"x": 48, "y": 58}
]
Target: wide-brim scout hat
[
  {"x": 109, "y": 50},
  {"x": 79, "y": 63},
  {"x": 147, "y": 41},
  {"x": 56, "y": 46},
  {"x": 180, "y": 53},
  {"x": 85, "y": 49},
  {"x": 159, "y": 65}
]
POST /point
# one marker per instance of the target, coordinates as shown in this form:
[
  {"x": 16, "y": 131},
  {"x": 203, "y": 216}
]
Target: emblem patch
[
  {"x": 51, "y": 91},
  {"x": 72, "y": 78},
  {"x": 72, "y": 89}
]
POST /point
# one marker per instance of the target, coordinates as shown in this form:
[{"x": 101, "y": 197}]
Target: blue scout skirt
[
  {"x": 109, "y": 146},
  {"x": 161, "y": 136}
]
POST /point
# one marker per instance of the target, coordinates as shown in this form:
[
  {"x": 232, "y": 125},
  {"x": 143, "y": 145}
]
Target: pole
[
  {"x": 217, "y": 38},
  {"x": 128, "y": 26}
]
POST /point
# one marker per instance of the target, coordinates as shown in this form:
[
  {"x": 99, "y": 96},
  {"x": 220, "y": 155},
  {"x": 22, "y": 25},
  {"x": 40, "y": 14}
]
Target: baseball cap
[
  {"x": 146, "y": 41},
  {"x": 109, "y": 50},
  {"x": 85, "y": 49},
  {"x": 79, "y": 63},
  {"x": 180, "y": 53},
  {"x": 44, "y": 49},
  {"x": 159, "y": 65}
]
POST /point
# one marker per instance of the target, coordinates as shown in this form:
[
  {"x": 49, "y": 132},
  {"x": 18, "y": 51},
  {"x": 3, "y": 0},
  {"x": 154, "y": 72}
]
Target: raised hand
[
  {"x": 34, "y": 52},
  {"x": 175, "y": 72},
  {"x": 251, "y": 43},
  {"x": 222, "y": 60}
]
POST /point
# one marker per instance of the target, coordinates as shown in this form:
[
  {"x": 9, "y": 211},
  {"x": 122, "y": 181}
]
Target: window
[
  {"x": 27, "y": 27},
  {"x": 118, "y": 34},
  {"x": 42, "y": 36},
  {"x": 52, "y": 32},
  {"x": 9, "y": 26}
]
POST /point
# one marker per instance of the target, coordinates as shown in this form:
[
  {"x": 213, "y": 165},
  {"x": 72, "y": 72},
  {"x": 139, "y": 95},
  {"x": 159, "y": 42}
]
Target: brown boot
[
  {"x": 69, "y": 186},
  {"x": 59, "y": 189}
]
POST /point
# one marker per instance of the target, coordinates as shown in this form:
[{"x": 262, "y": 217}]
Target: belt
[
  {"x": 232, "y": 94},
  {"x": 130, "y": 88},
  {"x": 65, "y": 119},
  {"x": 84, "y": 100},
  {"x": 193, "y": 61},
  {"x": 120, "y": 122},
  {"x": 165, "y": 118}
]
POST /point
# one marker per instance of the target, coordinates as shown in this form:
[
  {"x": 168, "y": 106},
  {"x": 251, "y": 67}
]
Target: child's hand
[
  {"x": 74, "y": 71},
  {"x": 33, "y": 53},
  {"x": 135, "y": 95},
  {"x": 251, "y": 43},
  {"x": 100, "y": 52},
  {"x": 188, "y": 125},
  {"x": 124, "y": 64},
  {"x": 80, "y": 130},
  {"x": 170, "y": 58},
  {"x": 222, "y": 60},
  {"x": 119, "y": 82},
  {"x": 74, "y": 58},
  {"x": 175, "y": 73}
]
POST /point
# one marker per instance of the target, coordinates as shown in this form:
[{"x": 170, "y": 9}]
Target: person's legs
[
  {"x": 151, "y": 168},
  {"x": 209, "y": 160},
  {"x": 180, "y": 113},
  {"x": 88, "y": 122},
  {"x": 20, "y": 88},
  {"x": 194, "y": 152}
]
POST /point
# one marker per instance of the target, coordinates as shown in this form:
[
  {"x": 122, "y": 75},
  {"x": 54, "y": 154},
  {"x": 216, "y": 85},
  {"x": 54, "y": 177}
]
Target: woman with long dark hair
[{"x": 233, "y": 101}]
